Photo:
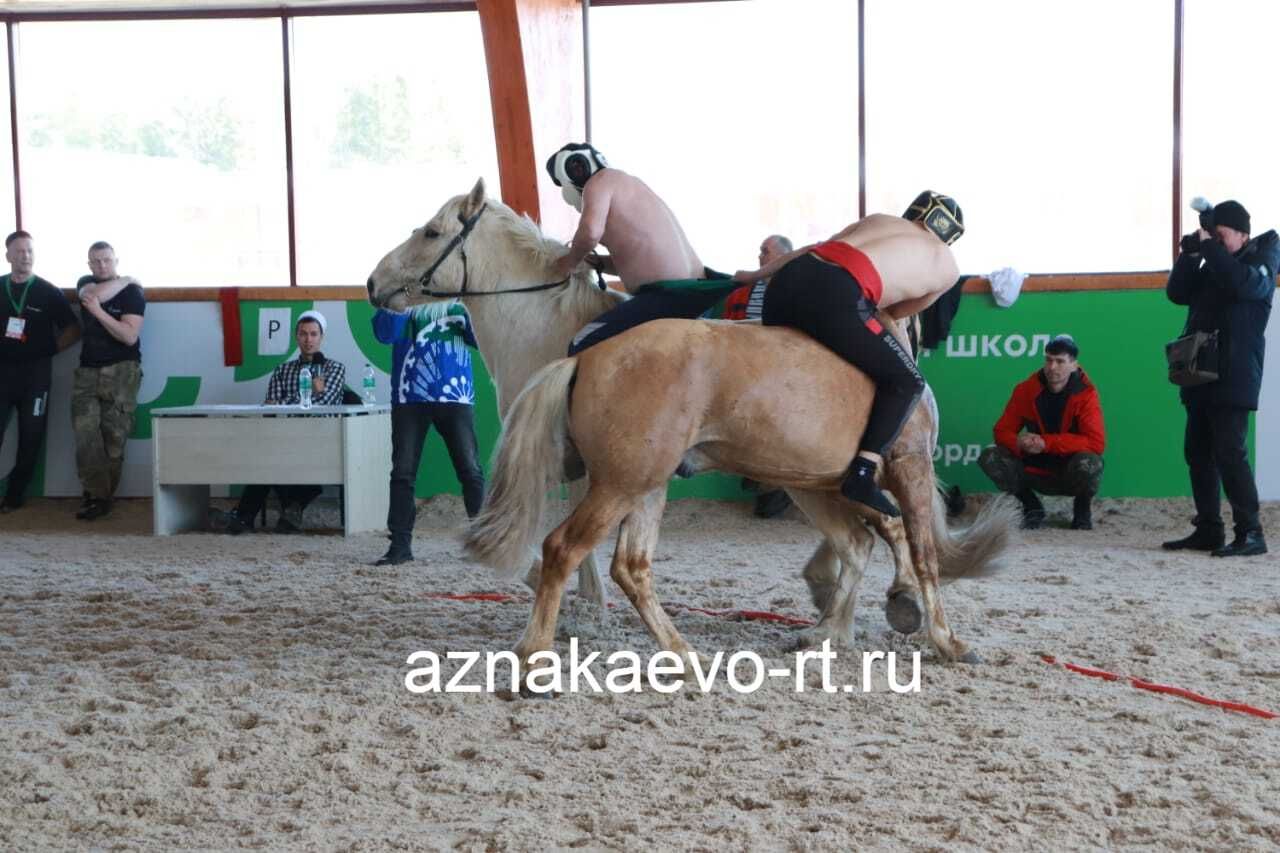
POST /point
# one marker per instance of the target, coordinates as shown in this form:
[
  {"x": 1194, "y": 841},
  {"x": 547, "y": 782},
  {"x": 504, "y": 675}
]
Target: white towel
[{"x": 1006, "y": 284}]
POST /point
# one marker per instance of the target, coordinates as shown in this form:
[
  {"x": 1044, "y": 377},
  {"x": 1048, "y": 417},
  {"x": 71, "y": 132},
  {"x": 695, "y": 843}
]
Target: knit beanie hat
[{"x": 1233, "y": 215}]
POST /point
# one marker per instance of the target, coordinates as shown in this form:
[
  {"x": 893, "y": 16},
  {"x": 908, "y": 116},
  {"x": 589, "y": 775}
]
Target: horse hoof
[
  {"x": 526, "y": 693},
  {"x": 807, "y": 641},
  {"x": 969, "y": 657},
  {"x": 903, "y": 612}
]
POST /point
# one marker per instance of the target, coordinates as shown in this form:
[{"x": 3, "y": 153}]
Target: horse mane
[{"x": 582, "y": 298}]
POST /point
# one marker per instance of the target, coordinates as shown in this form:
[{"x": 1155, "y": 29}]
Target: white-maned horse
[{"x": 498, "y": 262}]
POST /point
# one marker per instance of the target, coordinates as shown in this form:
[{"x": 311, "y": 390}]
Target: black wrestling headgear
[{"x": 939, "y": 213}]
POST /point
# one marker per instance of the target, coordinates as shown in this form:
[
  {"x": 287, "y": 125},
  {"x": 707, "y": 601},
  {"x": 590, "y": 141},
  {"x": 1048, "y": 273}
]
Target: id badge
[{"x": 16, "y": 328}]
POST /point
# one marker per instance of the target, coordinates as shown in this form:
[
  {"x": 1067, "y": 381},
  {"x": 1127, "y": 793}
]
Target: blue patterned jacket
[{"x": 430, "y": 362}]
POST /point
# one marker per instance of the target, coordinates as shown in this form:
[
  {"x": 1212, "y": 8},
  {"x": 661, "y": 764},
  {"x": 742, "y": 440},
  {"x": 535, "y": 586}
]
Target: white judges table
[{"x": 196, "y": 446}]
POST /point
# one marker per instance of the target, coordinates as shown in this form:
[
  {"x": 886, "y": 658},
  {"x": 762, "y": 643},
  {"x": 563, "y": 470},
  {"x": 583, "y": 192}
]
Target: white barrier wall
[{"x": 183, "y": 339}]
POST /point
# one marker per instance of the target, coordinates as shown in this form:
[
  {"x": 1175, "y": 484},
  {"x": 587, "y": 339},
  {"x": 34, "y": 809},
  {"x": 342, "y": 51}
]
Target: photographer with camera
[{"x": 1227, "y": 282}]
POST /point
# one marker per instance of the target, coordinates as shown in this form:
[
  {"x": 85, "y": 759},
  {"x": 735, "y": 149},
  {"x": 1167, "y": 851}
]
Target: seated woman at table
[{"x": 328, "y": 379}]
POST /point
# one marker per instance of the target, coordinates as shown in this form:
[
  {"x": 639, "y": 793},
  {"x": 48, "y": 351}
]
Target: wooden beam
[{"x": 533, "y": 49}]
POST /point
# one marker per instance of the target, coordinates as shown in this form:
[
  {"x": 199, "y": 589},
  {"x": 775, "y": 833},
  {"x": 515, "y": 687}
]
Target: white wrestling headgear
[{"x": 571, "y": 167}]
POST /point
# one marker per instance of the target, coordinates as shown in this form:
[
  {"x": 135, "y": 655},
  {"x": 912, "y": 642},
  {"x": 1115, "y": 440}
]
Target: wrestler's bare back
[
  {"x": 644, "y": 240},
  {"x": 915, "y": 266}
]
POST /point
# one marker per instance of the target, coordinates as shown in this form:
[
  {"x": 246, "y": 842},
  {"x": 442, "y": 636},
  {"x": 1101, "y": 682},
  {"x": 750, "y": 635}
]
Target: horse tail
[
  {"x": 973, "y": 551},
  {"x": 528, "y": 463}
]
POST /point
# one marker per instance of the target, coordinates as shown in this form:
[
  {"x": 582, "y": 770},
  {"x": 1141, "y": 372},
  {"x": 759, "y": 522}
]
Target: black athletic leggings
[{"x": 825, "y": 302}]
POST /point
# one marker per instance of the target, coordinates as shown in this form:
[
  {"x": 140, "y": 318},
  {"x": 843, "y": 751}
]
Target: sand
[{"x": 206, "y": 692}]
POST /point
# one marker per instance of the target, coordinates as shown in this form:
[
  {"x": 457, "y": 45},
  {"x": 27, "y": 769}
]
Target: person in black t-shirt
[
  {"x": 38, "y": 323},
  {"x": 104, "y": 395}
]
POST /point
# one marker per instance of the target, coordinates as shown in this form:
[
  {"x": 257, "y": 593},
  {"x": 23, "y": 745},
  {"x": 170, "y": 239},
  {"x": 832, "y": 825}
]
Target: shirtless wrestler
[{"x": 832, "y": 291}]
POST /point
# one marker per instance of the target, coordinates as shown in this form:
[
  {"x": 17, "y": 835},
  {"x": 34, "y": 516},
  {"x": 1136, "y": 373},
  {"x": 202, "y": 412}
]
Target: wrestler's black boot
[{"x": 860, "y": 486}]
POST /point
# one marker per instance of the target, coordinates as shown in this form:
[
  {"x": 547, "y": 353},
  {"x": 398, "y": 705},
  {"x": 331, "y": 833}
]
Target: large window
[
  {"x": 1049, "y": 123},
  {"x": 742, "y": 116},
  {"x": 165, "y": 138},
  {"x": 381, "y": 143},
  {"x": 1230, "y": 122}
]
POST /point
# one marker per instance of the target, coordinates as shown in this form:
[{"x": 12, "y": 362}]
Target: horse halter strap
[{"x": 458, "y": 242}]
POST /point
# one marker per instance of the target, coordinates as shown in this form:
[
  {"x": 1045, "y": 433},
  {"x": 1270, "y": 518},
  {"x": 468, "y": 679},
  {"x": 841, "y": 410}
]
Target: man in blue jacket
[
  {"x": 1227, "y": 281},
  {"x": 431, "y": 385}
]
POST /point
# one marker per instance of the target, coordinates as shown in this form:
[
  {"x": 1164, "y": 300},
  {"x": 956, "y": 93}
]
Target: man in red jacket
[{"x": 1050, "y": 438}]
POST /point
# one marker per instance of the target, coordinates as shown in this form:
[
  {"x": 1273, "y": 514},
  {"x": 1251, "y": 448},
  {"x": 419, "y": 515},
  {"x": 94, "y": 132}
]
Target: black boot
[
  {"x": 1032, "y": 509},
  {"x": 401, "y": 551},
  {"x": 1208, "y": 537},
  {"x": 860, "y": 486},
  {"x": 1082, "y": 513},
  {"x": 1248, "y": 544}
]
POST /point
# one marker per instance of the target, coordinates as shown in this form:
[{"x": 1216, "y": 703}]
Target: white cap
[{"x": 312, "y": 315}]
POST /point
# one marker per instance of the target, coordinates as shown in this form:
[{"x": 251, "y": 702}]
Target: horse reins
[{"x": 459, "y": 242}]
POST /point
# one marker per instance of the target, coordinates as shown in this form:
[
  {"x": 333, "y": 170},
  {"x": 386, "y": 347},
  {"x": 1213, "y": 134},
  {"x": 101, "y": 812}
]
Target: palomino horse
[{"x": 520, "y": 333}]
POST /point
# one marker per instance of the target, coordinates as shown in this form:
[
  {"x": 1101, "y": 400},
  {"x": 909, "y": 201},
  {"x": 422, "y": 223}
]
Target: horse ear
[{"x": 475, "y": 200}]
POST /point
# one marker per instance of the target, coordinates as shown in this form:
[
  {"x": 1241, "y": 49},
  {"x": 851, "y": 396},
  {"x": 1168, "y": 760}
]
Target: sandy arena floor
[{"x": 206, "y": 692}]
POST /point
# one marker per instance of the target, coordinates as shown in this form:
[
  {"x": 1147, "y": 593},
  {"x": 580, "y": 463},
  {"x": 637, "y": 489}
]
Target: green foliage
[
  {"x": 208, "y": 133},
  {"x": 211, "y": 134},
  {"x": 374, "y": 124}
]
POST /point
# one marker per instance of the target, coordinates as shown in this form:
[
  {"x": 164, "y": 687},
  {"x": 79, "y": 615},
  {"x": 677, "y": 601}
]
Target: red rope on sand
[
  {"x": 472, "y": 596},
  {"x": 744, "y": 615},
  {"x": 1162, "y": 688}
]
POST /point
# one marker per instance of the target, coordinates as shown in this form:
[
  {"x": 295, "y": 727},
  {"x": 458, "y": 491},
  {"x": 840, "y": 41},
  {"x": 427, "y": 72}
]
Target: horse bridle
[{"x": 459, "y": 242}]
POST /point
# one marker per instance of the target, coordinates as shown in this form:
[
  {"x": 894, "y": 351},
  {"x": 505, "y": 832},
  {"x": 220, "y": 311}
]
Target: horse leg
[
  {"x": 910, "y": 478},
  {"x": 590, "y": 584},
  {"x": 835, "y": 595},
  {"x": 902, "y": 601},
  {"x": 564, "y": 549},
  {"x": 632, "y": 570},
  {"x": 822, "y": 573}
]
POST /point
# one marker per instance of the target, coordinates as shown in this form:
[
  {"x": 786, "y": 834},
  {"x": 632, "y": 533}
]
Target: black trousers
[
  {"x": 410, "y": 423},
  {"x": 651, "y": 302},
  {"x": 24, "y": 388},
  {"x": 1214, "y": 448},
  {"x": 823, "y": 301}
]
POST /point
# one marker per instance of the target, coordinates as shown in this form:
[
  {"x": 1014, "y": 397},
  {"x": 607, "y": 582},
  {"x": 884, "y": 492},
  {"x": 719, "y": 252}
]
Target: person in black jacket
[{"x": 1227, "y": 281}]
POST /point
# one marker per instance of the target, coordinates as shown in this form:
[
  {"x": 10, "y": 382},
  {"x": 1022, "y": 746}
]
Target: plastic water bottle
[
  {"x": 369, "y": 382},
  {"x": 304, "y": 387}
]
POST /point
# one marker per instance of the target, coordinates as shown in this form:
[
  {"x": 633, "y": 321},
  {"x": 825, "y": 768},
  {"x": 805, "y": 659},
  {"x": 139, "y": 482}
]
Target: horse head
[{"x": 450, "y": 255}]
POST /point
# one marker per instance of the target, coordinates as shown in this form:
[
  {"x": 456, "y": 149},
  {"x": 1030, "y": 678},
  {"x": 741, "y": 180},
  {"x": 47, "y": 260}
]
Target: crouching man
[{"x": 1050, "y": 438}]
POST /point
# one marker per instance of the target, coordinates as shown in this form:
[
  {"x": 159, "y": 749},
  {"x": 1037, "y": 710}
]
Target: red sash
[{"x": 854, "y": 262}]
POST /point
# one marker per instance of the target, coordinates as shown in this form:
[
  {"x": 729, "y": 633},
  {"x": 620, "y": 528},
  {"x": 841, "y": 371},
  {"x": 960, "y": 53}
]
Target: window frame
[{"x": 13, "y": 19}]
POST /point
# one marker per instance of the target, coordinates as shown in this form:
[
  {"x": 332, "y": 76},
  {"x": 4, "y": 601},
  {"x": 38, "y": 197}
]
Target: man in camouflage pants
[{"x": 104, "y": 393}]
